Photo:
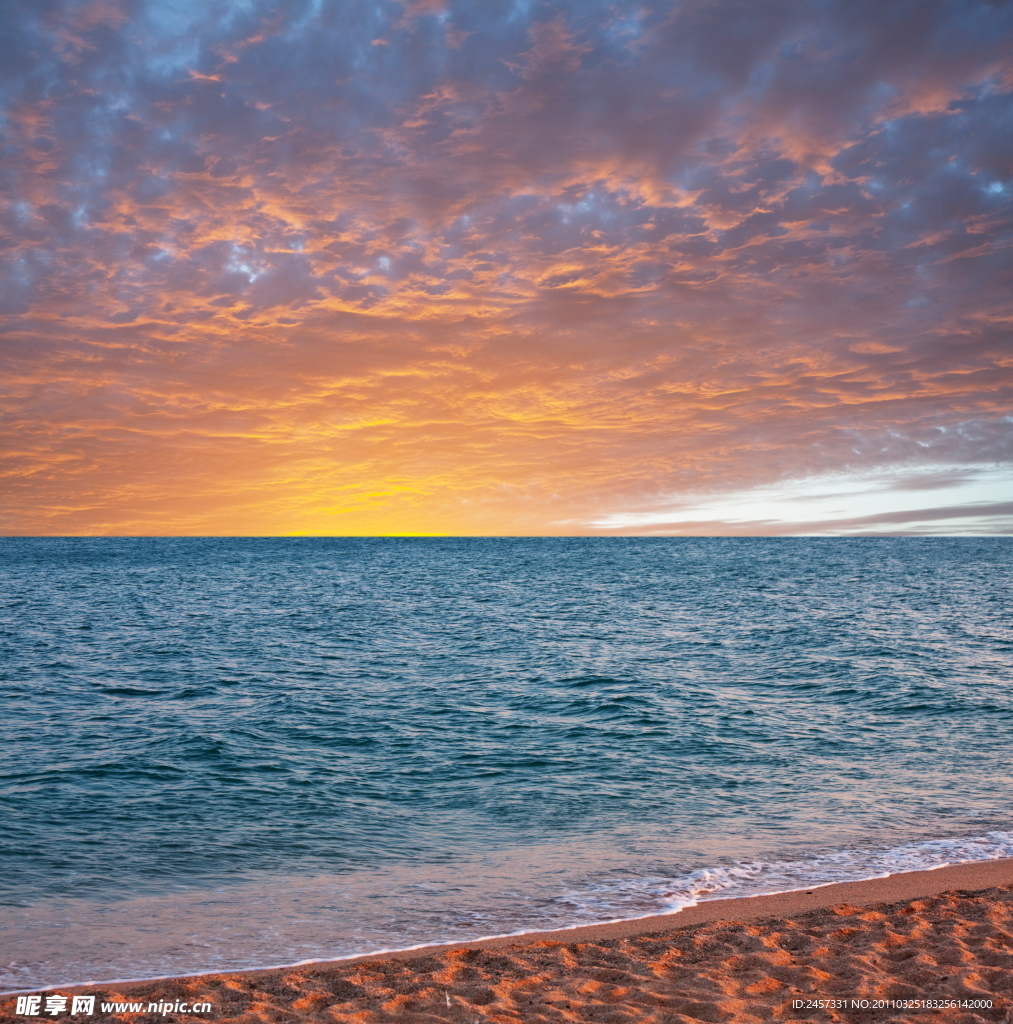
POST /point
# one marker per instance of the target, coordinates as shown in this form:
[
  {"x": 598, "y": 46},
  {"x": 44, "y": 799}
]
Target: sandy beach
[{"x": 911, "y": 947}]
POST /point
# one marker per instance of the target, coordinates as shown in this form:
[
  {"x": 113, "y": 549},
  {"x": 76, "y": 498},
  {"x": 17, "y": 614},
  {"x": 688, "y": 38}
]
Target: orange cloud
[{"x": 511, "y": 272}]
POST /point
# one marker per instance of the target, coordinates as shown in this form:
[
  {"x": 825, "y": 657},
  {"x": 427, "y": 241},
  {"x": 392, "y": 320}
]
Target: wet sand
[{"x": 942, "y": 940}]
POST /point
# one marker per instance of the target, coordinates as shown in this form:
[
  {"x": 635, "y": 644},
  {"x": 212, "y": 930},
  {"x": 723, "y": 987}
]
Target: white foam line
[{"x": 712, "y": 896}]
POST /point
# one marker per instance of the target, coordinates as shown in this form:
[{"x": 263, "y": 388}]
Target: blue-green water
[{"x": 226, "y": 753}]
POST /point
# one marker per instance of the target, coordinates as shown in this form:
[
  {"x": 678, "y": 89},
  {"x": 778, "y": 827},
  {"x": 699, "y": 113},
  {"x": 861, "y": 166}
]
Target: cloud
[
  {"x": 973, "y": 500},
  {"x": 519, "y": 265}
]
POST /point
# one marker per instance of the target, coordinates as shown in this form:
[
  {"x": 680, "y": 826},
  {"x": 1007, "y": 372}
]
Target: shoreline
[
  {"x": 974, "y": 876},
  {"x": 905, "y": 885}
]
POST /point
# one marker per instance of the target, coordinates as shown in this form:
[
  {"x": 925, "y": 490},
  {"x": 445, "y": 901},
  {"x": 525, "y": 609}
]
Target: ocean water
[{"x": 228, "y": 753}]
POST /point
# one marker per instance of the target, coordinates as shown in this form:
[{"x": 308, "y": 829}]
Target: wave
[{"x": 629, "y": 898}]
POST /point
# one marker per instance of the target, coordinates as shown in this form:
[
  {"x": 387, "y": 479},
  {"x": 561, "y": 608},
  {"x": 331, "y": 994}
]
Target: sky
[{"x": 506, "y": 267}]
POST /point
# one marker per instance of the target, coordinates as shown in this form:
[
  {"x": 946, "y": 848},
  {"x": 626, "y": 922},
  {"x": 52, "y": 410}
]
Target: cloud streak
[
  {"x": 470, "y": 268},
  {"x": 924, "y": 502}
]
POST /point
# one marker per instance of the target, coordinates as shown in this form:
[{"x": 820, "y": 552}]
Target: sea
[{"x": 226, "y": 753}]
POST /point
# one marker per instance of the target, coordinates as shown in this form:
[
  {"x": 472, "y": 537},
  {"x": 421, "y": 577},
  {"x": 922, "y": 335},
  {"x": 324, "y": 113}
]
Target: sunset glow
[{"x": 450, "y": 267}]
